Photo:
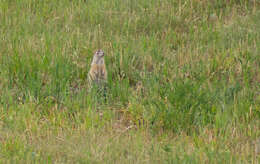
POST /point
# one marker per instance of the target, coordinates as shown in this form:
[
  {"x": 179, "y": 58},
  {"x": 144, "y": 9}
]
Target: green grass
[{"x": 183, "y": 81}]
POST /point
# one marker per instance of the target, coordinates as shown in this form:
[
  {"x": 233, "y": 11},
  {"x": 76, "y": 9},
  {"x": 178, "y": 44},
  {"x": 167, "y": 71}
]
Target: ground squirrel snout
[{"x": 98, "y": 73}]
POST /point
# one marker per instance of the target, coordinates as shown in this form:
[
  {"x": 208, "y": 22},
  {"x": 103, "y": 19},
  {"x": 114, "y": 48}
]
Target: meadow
[{"x": 183, "y": 81}]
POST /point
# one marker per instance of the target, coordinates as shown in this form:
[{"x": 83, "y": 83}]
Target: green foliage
[{"x": 174, "y": 67}]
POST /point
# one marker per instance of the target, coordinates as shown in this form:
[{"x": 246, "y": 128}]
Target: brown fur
[{"x": 98, "y": 73}]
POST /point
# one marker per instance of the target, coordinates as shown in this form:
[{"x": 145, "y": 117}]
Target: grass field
[{"x": 183, "y": 81}]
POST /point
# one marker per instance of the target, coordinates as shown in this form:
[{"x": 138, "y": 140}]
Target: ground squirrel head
[{"x": 98, "y": 57}]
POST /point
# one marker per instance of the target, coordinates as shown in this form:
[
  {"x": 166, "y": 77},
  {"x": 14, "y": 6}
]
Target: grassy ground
[{"x": 184, "y": 81}]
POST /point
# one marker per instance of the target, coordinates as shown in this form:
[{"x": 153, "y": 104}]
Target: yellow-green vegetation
[{"x": 183, "y": 81}]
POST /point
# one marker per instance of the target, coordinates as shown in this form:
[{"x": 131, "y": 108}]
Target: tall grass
[{"x": 183, "y": 81}]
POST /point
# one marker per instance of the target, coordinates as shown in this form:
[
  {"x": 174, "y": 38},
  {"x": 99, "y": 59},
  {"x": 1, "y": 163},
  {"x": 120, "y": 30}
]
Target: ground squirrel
[{"x": 98, "y": 73}]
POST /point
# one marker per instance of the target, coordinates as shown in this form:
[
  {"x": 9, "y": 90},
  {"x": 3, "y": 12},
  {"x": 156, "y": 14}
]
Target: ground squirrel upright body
[{"x": 98, "y": 74}]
